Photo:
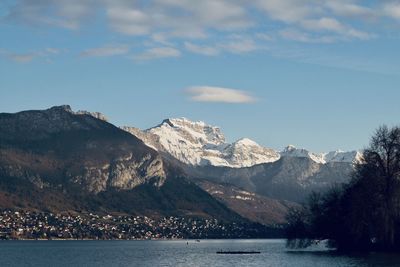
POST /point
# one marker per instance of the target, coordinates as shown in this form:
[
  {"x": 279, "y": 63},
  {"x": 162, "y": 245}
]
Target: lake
[{"x": 176, "y": 253}]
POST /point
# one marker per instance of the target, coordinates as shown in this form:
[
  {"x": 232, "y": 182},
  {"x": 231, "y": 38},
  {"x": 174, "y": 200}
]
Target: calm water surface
[{"x": 176, "y": 253}]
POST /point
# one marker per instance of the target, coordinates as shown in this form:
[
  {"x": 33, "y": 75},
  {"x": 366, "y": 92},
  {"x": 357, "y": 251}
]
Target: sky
[{"x": 317, "y": 74}]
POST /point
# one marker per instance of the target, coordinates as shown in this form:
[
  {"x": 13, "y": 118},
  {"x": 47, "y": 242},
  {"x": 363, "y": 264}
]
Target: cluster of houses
[{"x": 46, "y": 225}]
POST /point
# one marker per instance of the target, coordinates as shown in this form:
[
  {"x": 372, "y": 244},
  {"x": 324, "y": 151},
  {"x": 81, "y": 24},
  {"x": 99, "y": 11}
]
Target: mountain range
[
  {"x": 290, "y": 174},
  {"x": 58, "y": 159},
  {"x": 199, "y": 144}
]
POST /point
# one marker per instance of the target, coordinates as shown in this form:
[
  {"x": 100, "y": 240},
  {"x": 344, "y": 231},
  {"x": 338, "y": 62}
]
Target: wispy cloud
[
  {"x": 218, "y": 94},
  {"x": 235, "y": 44},
  {"x": 68, "y": 14},
  {"x": 176, "y": 19},
  {"x": 264, "y": 36},
  {"x": 333, "y": 25},
  {"x": 158, "y": 52},
  {"x": 206, "y": 50},
  {"x": 301, "y": 36},
  {"x": 26, "y": 57},
  {"x": 22, "y": 58},
  {"x": 392, "y": 9},
  {"x": 350, "y": 9},
  {"x": 189, "y": 20},
  {"x": 206, "y": 27},
  {"x": 239, "y": 45},
  {"x": 130, "y": 21},
  {"x": 106, "y": 51},
  {"x": 324, "y": 58}
]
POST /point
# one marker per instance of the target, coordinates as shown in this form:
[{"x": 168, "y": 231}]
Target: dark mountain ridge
[{"x": 57, "y": 160}]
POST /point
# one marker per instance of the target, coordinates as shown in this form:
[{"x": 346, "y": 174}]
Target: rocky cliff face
[
  {"x": 150, "y": 139},
  {"x": 121, "y": 174},
  {"x": 33, "y": 142},
  {"x": 96, "y": 115}
]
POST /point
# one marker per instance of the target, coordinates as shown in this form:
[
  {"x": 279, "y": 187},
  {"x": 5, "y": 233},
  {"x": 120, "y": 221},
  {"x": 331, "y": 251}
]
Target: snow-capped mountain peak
[
  {"x": 342, "y": 156},
  {"x": 197, "y": 143},
  {"x": 289, "y": 148},
  {"x": 245, "y": 153},
  {"x": 246, "y": 142},
  {"x": 198, "y": 131},
  {"x": 292, "y": 151},
  {"x": 323, "y": 158}
]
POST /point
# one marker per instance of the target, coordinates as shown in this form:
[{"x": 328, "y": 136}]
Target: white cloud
[
  {"x": 202, "y": 49},
  {"x": 106, "y": 51},
  {"x": 239, "y": 45},
  {"x": 129, "y": 21},
  {"x": 392, "y": 9},
  {"x": 60, "y": 13},
  {"x": 344, "y": 8},
  {"x": 324, "y": 23},
  {"x": 333, "y": 25},
  {"x": 182, "y": 19},
  {"x": 186, "y": 18},
  {"x": 218, "y": 94},
  {"x": 312, "y": 16},
  {"x": 158, "y": 52},
  {"x": 217, "y": 14},
  {"x": 289, "y": 11},
  {"x": 264, "y": 36},
  {"x": 184, "y": 23}
]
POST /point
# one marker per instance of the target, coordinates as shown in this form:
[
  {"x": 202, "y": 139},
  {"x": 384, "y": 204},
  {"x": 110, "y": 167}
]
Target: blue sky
[{"x": 316, "y": 74}]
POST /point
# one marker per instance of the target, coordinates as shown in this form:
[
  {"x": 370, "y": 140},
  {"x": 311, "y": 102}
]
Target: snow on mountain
[
  {"x": 292, "y": 151},
  {"x": 196, "y": 143},
  {"x": 323, "y": 158},
  {"x": 342, "y": 156},
  {"x": 246, "y": 152}
]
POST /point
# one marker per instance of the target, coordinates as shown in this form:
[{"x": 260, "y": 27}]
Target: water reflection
[
  {"x": 178, "y": 253},
  {"x": 353, "y": 259}
]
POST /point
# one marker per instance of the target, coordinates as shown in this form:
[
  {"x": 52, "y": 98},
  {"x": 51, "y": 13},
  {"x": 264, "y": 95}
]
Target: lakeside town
[{"x": 17, "y": 225}]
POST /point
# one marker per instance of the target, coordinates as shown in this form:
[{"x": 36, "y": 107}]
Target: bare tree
[
  {"x": 382, "y": 162},
  {"x": 361, "y": 215}
]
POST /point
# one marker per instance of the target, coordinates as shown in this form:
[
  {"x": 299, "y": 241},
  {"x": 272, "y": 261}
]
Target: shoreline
[{"x": 153, "y": 239}]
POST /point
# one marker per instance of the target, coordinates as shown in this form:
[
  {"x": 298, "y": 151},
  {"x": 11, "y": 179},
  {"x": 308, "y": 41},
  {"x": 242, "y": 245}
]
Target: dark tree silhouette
[
  {"x": 383, "y": 162},
  {"x": 361, "y": 215}
]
